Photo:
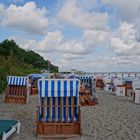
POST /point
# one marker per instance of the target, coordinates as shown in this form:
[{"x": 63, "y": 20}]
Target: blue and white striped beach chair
[
  {"x": 87, "y": 80},
  {"x": 17, "y": 91},
  {"x": 87, "y": 96},
  {"x": 58, "y": 111}
]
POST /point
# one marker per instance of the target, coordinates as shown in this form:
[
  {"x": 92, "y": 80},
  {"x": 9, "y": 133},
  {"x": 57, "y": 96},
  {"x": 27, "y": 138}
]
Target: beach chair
[
  {"x": 109, "y": 83},
  {"x": 127, "y": 84},
  {"x": 99, "y": 82},
  {"x": 136, "y": 88},
  {"x": 87, "y": 91},
  {"x": 58, "y": 113},
  {"x": 8, "y": 127},
  {"x": 119, "y": 89},
  {"x": 33, "y": 78},
  {"x": 17, "y": 90}
]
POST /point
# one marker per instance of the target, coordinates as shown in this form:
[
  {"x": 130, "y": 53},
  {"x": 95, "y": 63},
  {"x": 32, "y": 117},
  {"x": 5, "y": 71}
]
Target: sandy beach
[{"x": 114, "y": 118}]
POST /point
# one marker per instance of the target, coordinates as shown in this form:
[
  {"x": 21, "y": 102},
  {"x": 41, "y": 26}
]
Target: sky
[{"x": 87, "y": 35}]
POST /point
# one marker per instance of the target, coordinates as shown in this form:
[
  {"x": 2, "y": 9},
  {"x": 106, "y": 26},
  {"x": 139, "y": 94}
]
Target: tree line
[{"x": 17, "y": 61}]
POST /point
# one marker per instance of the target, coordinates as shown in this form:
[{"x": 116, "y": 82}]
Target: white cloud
[
  {"x": 124, "y": 40},
  {"x": 70, "y": 57},
  {"x": 81, "y": 52},
  {"x": 126, "y": 9},
  {"x": 71, "y": 13},
  {"x": 94, "y": 38},
  {"x": 51, "y": 42},
  {"x": 27, "y": 18}
]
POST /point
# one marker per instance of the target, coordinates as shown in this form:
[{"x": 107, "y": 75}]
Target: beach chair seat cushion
[{"x": 8, "y": 127}]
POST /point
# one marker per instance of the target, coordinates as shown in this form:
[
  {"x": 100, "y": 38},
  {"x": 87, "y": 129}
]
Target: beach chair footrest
[{"x": 58, "y": 128}]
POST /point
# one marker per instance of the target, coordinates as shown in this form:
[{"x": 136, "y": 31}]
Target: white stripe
[
  {"x": 74, "y": 87},
  {"x": 49, "y": 88},
  {"x": 68, "y": 88},
  {"x": 12, "y": 80},
  {"x": 43, "y": 88}
]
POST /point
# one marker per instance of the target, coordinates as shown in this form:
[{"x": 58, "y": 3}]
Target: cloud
[
  {"x": 51, "y": 42},
  {"x": 75, "y": 15},
  {"x": 89, "y": 50},
  {"x": 1, "y": 10},
  {"x": 27, "y": 18},
  {"x": 70, "y": 57},
  {"x": 54, "y": 42},
  {"x": 124, "y": 40},
  {"x": 126, "y": 9}
]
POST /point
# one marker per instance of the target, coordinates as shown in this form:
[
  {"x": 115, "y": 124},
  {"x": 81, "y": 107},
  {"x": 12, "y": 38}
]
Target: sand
[{"x": 114, "y": 118}]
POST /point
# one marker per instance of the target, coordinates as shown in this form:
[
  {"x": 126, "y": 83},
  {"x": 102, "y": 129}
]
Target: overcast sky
[{"x": 88, "y": 35}]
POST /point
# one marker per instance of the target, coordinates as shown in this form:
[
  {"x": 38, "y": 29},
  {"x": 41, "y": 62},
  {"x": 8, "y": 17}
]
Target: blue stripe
[
  {"x": 20, "y": 81},
  {"x": 17, "y": 81},
  {"x": 52, "y": 88},
  {"x": 53, "y": 109},
  {"x": 77, "y": 86},
  {"x": 59, "y": 111},
  {"x": 46, "y": 88},
  {"x": 47, "y": 111},
  {"x": 70, "y": 109},
  {"x": 40, "y": 88},
  {"x": 64, "y": 109}
]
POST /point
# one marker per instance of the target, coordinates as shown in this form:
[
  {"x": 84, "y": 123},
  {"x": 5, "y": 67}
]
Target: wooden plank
[
  {"x": 72, "y": 109},
  {"x": 67, "y": 108}
]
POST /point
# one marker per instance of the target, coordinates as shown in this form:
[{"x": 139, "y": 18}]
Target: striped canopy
[
  {"x": 58, "y": 87},
  {"x": 56, "y": 93},
  {"x": 39, "y": 75},
  {"x": 16, "y": 80},
  {"x": 85, "y": 79}
]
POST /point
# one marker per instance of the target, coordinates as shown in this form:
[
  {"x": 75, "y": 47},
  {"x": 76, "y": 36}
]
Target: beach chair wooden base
[
  {"x": 18, "y": 99},
  {"x": 59, "y": 137},
  {"x": 126, "y": 88},
  {"x": 57, "y": 129},
  {"x": 99, "y": 84},
  {"x": 87, "y": 100},
  {"x": 34, "y": 91},
  {"x": 16, "y": 94}
]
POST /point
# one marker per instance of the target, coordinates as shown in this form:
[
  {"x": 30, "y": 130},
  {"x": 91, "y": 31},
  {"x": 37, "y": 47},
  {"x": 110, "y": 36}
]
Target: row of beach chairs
[{"x": 59, "y": 103}]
